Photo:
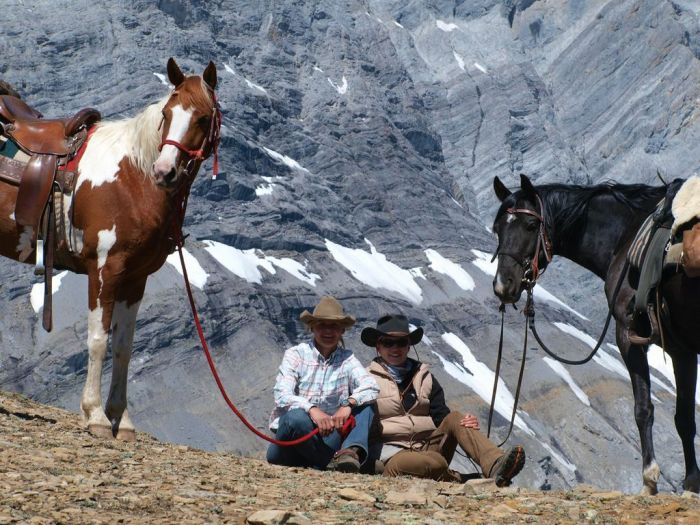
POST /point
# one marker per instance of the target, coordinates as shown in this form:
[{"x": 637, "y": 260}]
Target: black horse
[{"x": 594, "y": 226}]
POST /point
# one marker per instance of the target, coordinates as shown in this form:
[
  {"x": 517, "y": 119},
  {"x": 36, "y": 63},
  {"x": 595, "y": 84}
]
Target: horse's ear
[
  {"x": 209, "y": 75},
  {"x": 526, "y": 185},
  {"x": 501, "y": 191},
  {"x": 174, "y": 73}
]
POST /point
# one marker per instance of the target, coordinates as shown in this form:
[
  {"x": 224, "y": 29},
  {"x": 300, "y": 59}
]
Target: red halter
[{"x": 210, "y": 142}]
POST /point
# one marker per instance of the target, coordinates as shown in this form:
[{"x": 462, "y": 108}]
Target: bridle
[
  {"x": 209, "y": 144},
  {"x": 531, "y": 266}
]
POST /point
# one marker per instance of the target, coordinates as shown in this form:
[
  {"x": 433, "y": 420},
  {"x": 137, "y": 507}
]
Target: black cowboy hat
[{"x": 394, "y": 325}]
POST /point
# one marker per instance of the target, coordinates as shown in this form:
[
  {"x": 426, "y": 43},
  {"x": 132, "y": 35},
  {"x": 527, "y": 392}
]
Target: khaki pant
[{"x": 432, "y": 460}]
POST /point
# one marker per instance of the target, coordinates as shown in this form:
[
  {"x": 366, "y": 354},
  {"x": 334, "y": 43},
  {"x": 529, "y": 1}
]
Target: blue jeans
[{"x": 318, "y": 451}]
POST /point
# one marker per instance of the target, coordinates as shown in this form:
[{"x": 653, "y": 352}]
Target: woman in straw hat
[
  {"x": 319, "y": 384},
  {"x": 419, "y": 433}
]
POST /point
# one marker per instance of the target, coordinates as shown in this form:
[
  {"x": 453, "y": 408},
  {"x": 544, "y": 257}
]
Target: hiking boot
[
  {"x": 508, "y": 465},
  {"x": 345, "y": 460}
]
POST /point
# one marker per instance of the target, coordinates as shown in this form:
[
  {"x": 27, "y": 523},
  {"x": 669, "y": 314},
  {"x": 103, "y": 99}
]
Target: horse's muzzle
[{"x": 507, "y": 289}]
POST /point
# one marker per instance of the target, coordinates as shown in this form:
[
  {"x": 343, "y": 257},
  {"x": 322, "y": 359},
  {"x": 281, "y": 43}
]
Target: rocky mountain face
[{"x": 359, "y": 146}]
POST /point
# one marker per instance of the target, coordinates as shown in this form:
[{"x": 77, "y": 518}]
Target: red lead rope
[{"x": 344, "y": 431}]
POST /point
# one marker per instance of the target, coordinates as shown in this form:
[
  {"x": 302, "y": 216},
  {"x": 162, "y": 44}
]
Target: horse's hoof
[
  {"x": 648, "y": 491},
  {"x": 690, "y": 494},
  {"x": 126, "y": 435},
  {"x": 101, "y": 431}
]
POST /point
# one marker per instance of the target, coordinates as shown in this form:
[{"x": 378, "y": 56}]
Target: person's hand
[
  {"x": 469, "y": 421},
  {"x": 341, "y": 416},
  {"x": 323, "y": 421}
]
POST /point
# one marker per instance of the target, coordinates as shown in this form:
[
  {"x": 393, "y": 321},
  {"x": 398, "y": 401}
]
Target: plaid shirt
[{"x": 306, "y": 379}]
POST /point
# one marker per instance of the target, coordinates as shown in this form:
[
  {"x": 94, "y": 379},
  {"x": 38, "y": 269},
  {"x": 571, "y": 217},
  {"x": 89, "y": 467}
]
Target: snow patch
[
  {"x": 374, "y": 270},
  {"x": 36, "y": 296},
  {"x": 480, "y": 67},
  {"x": 252, "y": 85},
  {"x": 477, "y": 376},
  {"x": 440, "y": 264},
  {"x": 566, "y": 376},
  {"x": 341, "y": 89},
  {"x": 245, "y": 263},
  {"x": 603, "y": 358},
  {"x": 162, "y": 79},
  {"x": 664, "y": 365},
  {"x": 459, "y": 59},
  {"x": 288, "y": 161},
  {"x": 264, "y": 189},
  {"x": 195, "y": 273},
  {"x": 447, "y": 27}
]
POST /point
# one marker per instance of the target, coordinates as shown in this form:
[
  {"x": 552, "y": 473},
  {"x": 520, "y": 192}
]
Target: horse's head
[
  {"x": 524, "y": 249},
  {"x": 190, "y": 127}
]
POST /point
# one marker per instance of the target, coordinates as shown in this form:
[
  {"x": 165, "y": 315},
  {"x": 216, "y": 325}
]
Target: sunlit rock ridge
[{"x": 359, "y": 146}]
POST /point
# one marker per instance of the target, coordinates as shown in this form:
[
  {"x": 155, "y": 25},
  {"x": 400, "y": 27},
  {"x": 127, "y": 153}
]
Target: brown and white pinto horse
[{"x": 133, "y": 181}]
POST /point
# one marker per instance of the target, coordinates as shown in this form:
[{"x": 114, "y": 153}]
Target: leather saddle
[{"x": 49, "y": 144}]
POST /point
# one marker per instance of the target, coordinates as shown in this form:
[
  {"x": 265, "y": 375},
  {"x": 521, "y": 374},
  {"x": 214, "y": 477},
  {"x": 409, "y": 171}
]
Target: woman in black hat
[{"x": 419, "y": 433}]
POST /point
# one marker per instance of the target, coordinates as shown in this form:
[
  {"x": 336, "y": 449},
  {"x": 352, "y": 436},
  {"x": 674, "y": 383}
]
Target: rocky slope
[
  {"x": 52, "y": 471},
  {"x": 360, "y": 142}
]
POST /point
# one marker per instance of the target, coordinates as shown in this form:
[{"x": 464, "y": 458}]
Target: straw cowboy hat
[
  {"x": 329, "y": 310},
  {"x": 393, "y": 325}
]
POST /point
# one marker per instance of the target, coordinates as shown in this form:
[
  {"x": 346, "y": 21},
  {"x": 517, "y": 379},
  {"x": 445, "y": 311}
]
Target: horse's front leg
[
  {"x": 636, "y": 361},
  {"x": 100, "y": 305},
  {"x": 123, "y": 325},
  {"x": 685, "y": 369}
]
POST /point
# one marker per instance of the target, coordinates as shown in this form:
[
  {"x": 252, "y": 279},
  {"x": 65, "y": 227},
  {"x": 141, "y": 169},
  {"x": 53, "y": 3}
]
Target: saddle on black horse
[
  {"x": 658, "y": 250},
  {"x": 34, "y": 153}
]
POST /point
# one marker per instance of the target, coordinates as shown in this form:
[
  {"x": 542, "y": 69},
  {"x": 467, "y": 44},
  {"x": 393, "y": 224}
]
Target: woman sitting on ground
[{"x": 419, "y": 433}]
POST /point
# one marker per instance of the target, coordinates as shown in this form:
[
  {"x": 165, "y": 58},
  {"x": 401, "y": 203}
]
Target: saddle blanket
[{"x": 10, "y": 150}]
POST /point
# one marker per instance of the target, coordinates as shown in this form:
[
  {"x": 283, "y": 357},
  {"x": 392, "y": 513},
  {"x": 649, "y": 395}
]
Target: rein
[
  {"x": 179, "y": 216},
  {"x": 496, "y": 376}
]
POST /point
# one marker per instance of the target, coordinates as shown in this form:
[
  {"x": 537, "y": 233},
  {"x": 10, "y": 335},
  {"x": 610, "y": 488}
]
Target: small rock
[
  {"x": 356, "y": 495},
  {"x": 479, "y": 486},
  {"x": 607, "y": 495},
  {"x": 502, "y": 511},
  {"x": 574, "y": 512},
  {"x": 441, "y": 501},
  {"x": 268, "y": 517},
  {"x": 406, "y": 498},
  {"x": 297, "y": 519}
]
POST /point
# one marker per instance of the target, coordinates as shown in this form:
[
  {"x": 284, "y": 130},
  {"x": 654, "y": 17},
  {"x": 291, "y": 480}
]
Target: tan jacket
[{"x": 407, "y": 429}]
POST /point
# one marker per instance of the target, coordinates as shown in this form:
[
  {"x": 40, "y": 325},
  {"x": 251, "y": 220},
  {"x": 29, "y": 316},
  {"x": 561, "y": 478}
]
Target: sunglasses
[{"x": 391, "y": 343}]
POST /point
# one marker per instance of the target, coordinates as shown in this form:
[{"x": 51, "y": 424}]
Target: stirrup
[
  {"x": 654, "y": 334},
  {"x": 39, "y": 268}
]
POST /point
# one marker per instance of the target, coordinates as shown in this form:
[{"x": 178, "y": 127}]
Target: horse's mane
[
  {"x": 140, "y": 135},
  {"x": 566, "y": 205}
]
